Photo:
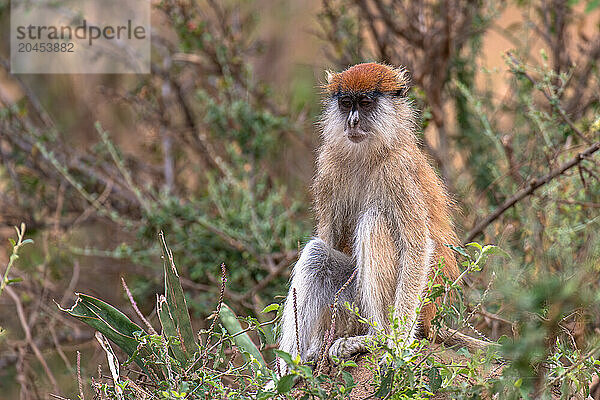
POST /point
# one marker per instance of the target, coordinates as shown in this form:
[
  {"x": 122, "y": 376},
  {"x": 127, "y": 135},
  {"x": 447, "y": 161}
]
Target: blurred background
[{"x": 216, "y": 148}]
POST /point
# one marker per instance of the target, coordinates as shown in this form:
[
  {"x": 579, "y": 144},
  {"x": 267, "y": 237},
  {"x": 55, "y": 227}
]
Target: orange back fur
[{"x": 442, "y": 232}]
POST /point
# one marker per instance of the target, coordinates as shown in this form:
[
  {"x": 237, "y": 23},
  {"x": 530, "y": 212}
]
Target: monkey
[{"x": 383, "y": 218}]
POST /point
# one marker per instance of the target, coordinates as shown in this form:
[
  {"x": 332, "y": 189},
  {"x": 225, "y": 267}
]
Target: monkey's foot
[{"x": 347, "y": 347}]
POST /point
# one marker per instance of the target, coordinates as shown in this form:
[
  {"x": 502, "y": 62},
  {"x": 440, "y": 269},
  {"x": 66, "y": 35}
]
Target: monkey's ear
[
  {"x": 402, "y": 92},
  {"x": 403, "y": 78},
  {"x": 329, "y": 74}
]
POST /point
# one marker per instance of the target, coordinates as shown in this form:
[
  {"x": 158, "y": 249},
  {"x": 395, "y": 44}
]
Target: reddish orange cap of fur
[{"x": 367, "y": 77}]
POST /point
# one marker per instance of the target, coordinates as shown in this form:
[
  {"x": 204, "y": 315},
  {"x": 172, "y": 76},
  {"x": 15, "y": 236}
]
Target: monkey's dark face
[{"x": 357, "y": 110}]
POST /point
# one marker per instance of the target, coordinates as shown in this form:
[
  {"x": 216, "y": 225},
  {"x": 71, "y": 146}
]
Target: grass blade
[
  {"x": 177, "y": 305},
  {"x": 242, "y": 340}
]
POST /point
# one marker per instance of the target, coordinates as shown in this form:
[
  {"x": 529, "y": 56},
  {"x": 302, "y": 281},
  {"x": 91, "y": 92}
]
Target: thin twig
[
  {"x": 281, "y": 266},
  {"x": 15, "y": 254},
  {"x": 33, "y": 99},
  {"x": 136, "y": 309},
  {"x": 57, "y": 345},
  {"x": 72, "y": 283},
  {"x": 29, "y": 338},
  {"x": 79, "y": 381},
  {"x": 486, "y": 314}
]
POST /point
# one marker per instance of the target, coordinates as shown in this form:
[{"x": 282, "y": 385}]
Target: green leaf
[
  {"x": 178, "y": 309},
  {"x": 109, "y": 321},
  {"x": 169, "y": 330},
  {"x": 306, "y": 371},
  {"x": 262, "y": 337},
  {"x": 220, "y": 359},
  {"x": 270, "y": 307},
  {"x": 491, "y": 249},
  {"x": 435, "y": 379},
  {"x": 267, "y": 331},
  {"x": 242, "y": 340},
  {"x": 464, "y": 352},
  {"x": 519, "y": 382},
  {"x": 503, "y": 340},
  {"x": 459, "y": 250},
  {"x": 105, "y": 318},
  {"x": 263, "y": 395},
  {"x": 348, "y": 379},
  {"x": 286, "y": 383},
  {"x": 386, "y": 384},
  {"x": 474, "y": 244},
  {"x": 284, "y": 356}
]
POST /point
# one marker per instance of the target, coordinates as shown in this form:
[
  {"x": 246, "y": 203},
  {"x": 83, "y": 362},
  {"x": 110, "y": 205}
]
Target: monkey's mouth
[{"x": 356, "y": 135}]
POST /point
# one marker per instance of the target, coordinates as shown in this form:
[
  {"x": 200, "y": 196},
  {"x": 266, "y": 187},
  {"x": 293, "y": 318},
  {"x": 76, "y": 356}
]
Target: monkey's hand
[{"x": 346, "y": 347}]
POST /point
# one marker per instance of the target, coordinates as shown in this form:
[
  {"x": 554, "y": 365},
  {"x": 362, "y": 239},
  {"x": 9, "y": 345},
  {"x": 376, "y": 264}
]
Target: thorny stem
[
  {"x": 212, "y": 325},
  {"x": 136, "y": 309},
  {"x": 296, "y": 321},
  {"x": 217, "y": 312},
  {"x": 79, "y": 381},
  {"x": 330, "y": 334}
]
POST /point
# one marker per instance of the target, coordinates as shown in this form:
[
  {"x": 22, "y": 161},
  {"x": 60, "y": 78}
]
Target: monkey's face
[
  {"x": 366, "y": 118},
  {"x": 357, "y": 111},
  {"x": 365, "y": 107}
]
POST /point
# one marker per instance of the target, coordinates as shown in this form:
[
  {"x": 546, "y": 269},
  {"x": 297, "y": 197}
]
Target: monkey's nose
[{"x": 353, "y": 119}]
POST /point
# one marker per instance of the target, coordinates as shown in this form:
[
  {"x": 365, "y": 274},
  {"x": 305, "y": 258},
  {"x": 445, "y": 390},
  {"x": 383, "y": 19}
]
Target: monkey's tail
[{"x": 452, "y": 337}]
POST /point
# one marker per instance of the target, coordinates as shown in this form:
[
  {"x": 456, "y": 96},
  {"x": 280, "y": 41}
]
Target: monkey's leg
[{"x": 319, "y": 273}]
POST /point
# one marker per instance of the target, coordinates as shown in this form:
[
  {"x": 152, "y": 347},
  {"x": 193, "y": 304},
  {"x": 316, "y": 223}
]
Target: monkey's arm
[
  {"x": 389, "y": 273},
  {"x": 412, "y": 280},
  {"x": 376, "y": 256},
  {"x": 416, "y": 248}
]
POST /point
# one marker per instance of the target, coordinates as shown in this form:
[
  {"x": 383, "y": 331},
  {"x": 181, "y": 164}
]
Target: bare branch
[
  {"x": 529, "y": 189},
  {"x": 29, "y": 338}
]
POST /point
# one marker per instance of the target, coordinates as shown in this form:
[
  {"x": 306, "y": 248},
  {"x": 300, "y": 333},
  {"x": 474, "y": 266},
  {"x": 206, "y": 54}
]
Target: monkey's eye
[
  {"x": 345, "y": 102},
  {"x": 365, "y": 102}
]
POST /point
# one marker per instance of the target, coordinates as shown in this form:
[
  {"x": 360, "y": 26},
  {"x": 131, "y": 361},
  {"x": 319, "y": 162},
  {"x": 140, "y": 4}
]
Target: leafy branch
[{"x": 16, "y": 246}]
